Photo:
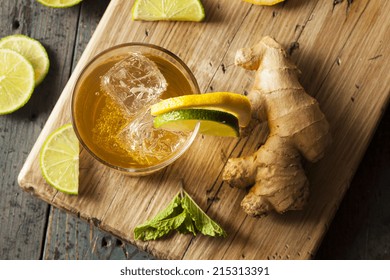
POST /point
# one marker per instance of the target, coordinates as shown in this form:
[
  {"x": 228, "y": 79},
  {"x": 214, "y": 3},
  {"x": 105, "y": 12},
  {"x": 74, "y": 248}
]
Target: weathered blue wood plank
[
  {"x": 69, "y": 237},
  {"x": 22, "y": 217}
]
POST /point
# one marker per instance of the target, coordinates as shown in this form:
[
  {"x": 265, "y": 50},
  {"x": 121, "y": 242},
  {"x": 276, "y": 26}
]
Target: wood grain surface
[{"x": 324, "y": 68}]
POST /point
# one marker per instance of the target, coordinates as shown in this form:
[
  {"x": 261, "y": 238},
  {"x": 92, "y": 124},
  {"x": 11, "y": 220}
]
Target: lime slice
[
  {"x": 264, "y": 2},
  {"x": 178, "y": 10},
  {"x": 59, "y": 3},
  {"x": 16, "y": 81},
  {"x": 212, "y": 122},
  {"x": 32, "y": 50},
  {"x": 59, "y": 160},
  {"x": 229, "y": 102}
]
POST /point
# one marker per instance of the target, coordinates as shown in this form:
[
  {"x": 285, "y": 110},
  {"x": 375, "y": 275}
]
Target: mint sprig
[{"x": 183, "y": 215}]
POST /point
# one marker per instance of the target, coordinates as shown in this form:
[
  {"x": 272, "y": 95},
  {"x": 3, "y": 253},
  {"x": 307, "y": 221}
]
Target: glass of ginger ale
[{"x": 111, "y": 107}]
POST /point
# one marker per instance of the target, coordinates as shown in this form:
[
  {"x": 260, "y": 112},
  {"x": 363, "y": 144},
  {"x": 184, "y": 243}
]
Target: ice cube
[
  {"x": 147, "y": 143},
  {"x": 134, "y": 83}
]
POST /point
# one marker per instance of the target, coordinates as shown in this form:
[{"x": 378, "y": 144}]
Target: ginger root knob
[{"x": 297, "y": 127}]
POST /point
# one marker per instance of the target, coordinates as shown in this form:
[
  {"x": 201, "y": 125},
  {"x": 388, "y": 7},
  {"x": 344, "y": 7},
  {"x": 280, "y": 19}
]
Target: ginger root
[{"x": 296, "y": 127}]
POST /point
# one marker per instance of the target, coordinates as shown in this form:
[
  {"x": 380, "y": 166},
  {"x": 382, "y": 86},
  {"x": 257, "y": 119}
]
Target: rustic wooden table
[{"x": 32, "y": 229}]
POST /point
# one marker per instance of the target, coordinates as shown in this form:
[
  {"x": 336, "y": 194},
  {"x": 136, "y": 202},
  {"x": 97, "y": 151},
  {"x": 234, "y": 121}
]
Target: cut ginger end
[
  {"x": 264, "y": 2},
  {"x": 298, "y": 128}
]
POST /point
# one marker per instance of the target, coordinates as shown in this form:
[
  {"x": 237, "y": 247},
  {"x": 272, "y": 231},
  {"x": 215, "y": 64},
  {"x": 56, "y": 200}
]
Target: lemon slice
[
  {"x": 264, "y": 2},
  {"x": 16, "y": 81},
  {"x": 32, "y": 50},
  {"x": 229, "y": 102},
  {"x": 177, "y": 10},
  {"x": 216, "y": 123},
  {"x": 59, "y": 3},
  {"x": 59, "y": 160}
]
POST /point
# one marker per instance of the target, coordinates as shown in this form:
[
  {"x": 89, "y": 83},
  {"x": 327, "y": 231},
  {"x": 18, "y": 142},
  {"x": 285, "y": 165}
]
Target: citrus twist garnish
[
  {"x": 216, "y": 123},
  {"x": 232, "y": 103}
]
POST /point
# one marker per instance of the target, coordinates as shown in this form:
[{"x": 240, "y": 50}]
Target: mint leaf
[
  {"x": 187, "y": 226},
  {"x": 173, "y": 208},
  {"x": 158, "y": 229},
  {"x": 203, "y": 223},
  {"x": 166, "y": 220},
  {"x": 181, "y": 214}
]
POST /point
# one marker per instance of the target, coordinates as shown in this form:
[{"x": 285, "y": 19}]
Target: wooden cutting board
[{"x": 343, "y": 53}]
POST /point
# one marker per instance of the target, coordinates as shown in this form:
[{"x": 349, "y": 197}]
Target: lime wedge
[
  {"x": 264, "y": 2},
  {"x": 59, "y": 3},
  {"x": 229, "y": 102},
  {"x": 59, "y": 160},
  {"x": 16, "y": 81},
  {"x": 32, "y": 50},
  {"x": 177, "y": 10},
  {"x": 216, "y": 123}
]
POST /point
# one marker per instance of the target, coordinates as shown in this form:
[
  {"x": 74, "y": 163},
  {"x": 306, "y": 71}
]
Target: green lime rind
[
  {"x": 168, "y": 10},
  {"x": 59, "y": 160},
  {"x": 16, "y": 81},
  {"x": 32, "y": 50},
  {"x": 59, "y": 3},
  {"x": 216, "y": 123}
]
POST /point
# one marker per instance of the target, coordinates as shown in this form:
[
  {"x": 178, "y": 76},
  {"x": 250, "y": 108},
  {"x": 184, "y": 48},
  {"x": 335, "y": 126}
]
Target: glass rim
[{"x": 135, "y": 170}]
